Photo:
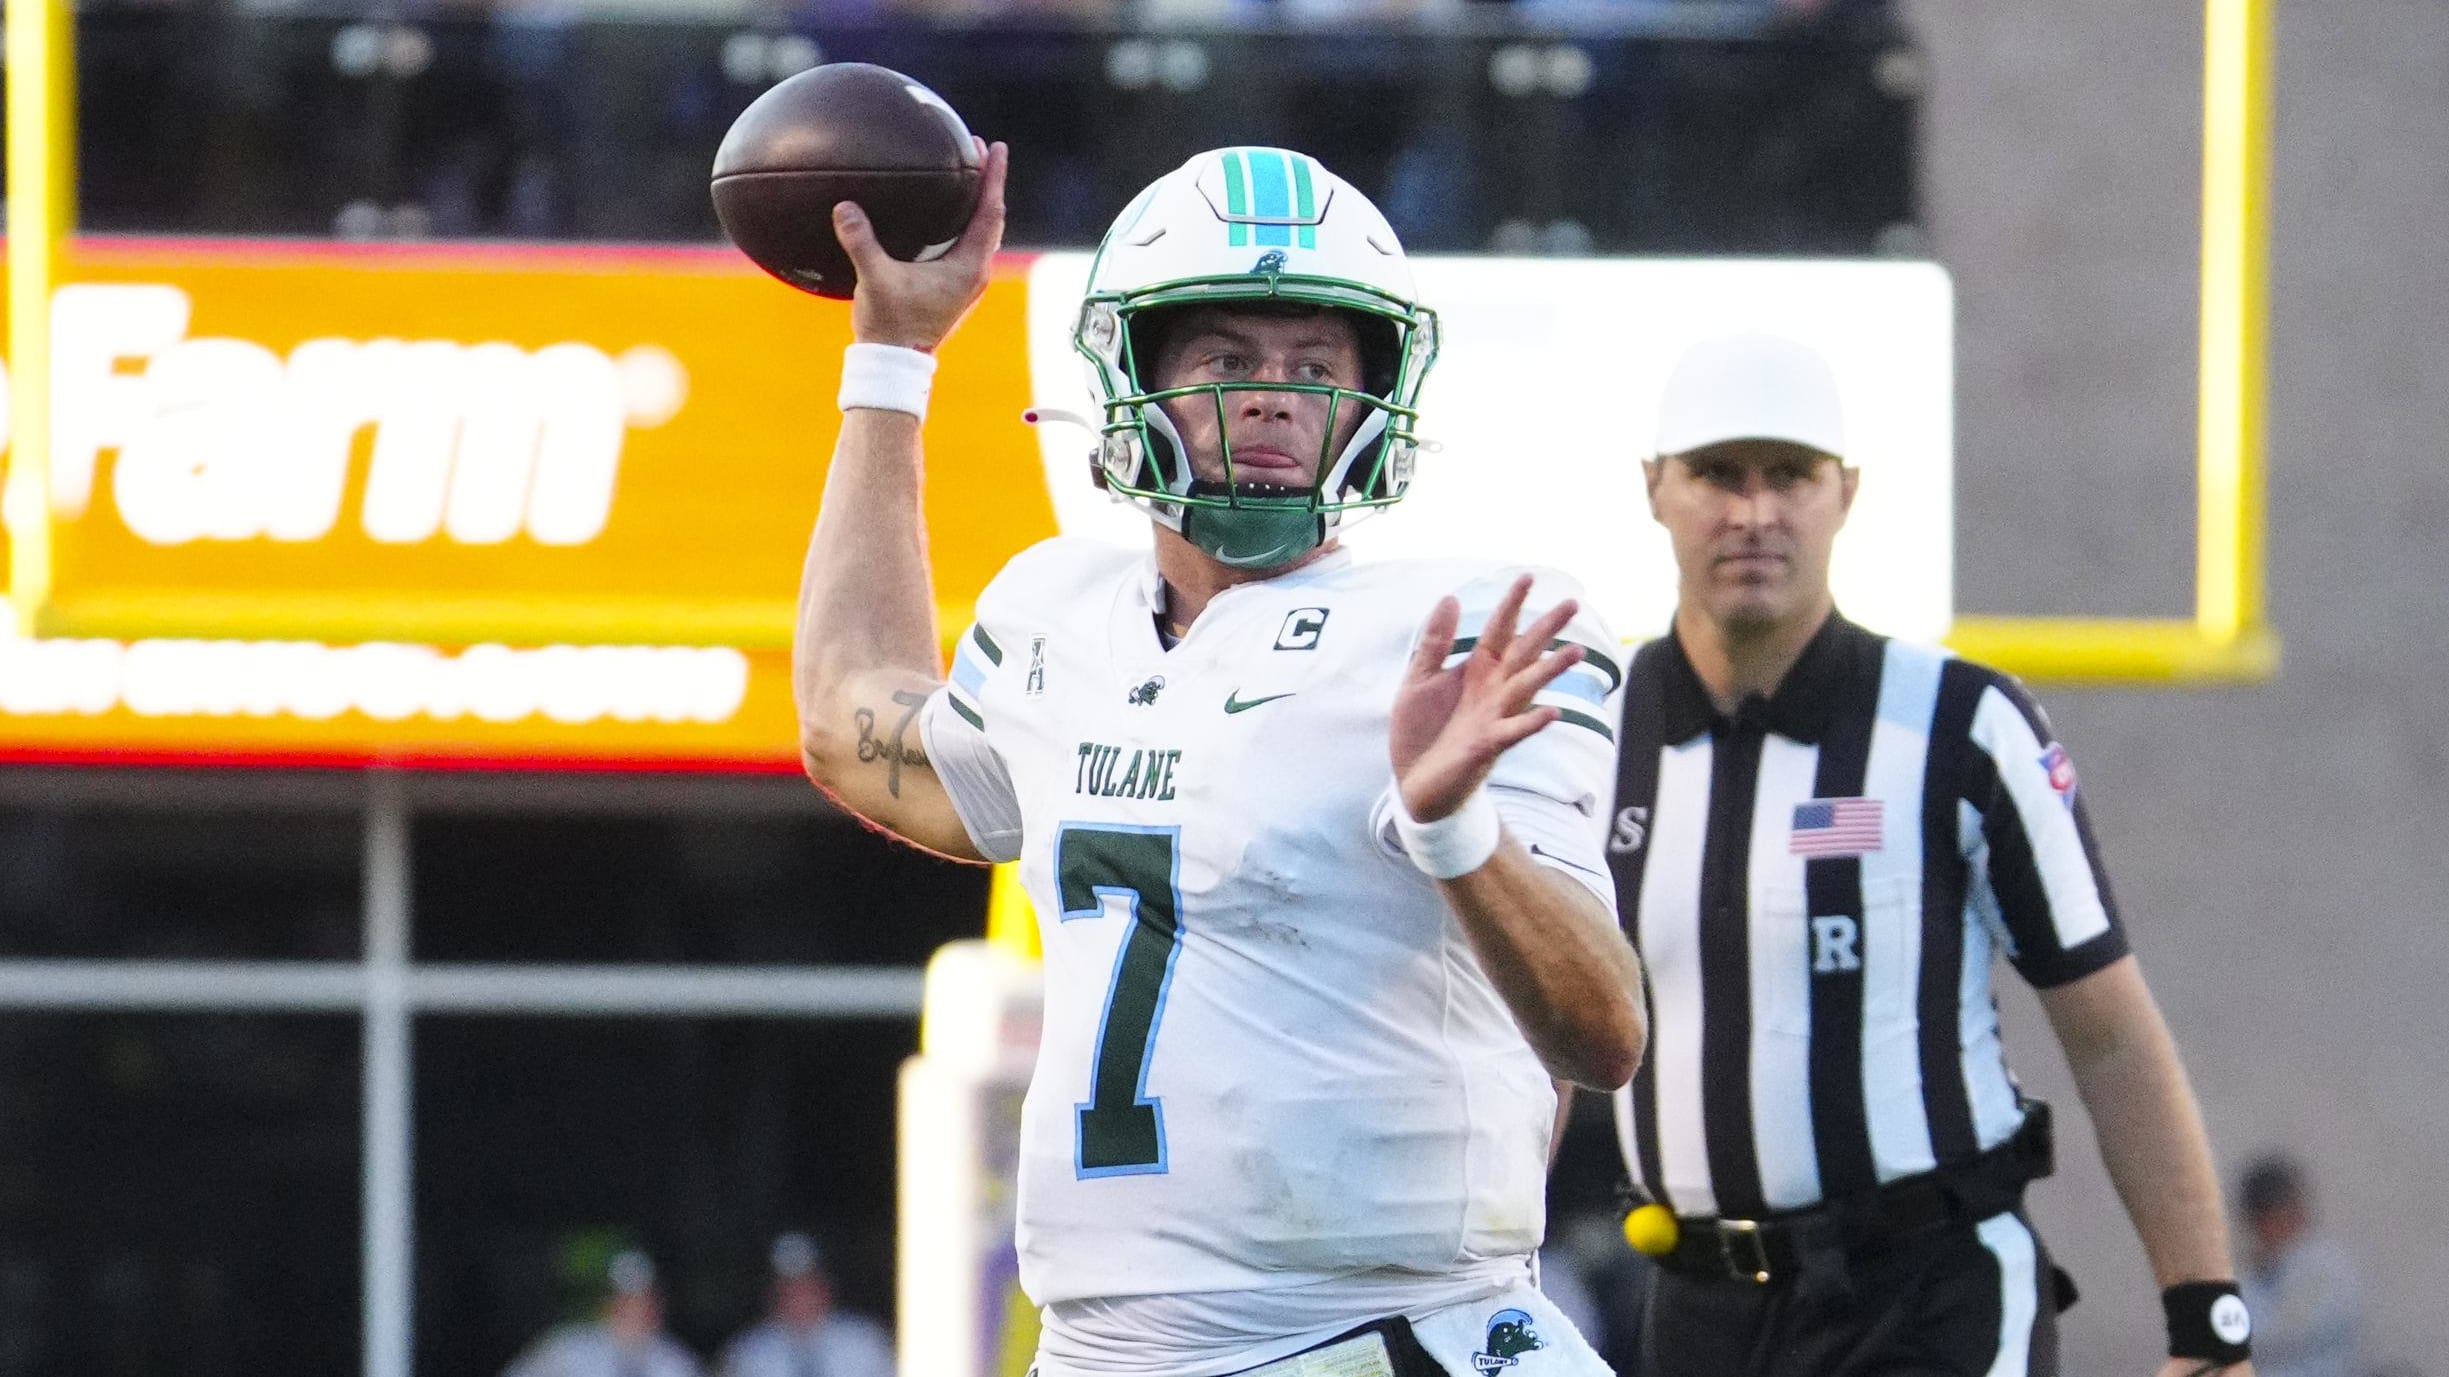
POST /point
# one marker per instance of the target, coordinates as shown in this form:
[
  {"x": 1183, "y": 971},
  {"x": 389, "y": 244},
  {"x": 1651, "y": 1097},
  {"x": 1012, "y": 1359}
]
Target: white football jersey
[{"x": 1270, "y": 1055}]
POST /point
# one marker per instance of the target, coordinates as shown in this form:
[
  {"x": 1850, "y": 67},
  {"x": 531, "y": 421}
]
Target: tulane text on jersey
[{"x": 1148, "y": 775}]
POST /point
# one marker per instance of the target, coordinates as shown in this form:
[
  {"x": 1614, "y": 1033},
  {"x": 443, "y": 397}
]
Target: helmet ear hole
[
  {"x": 1143, "y": 335},
  {"x": 1381, "y": 353},
  {"x": 1167, "y": 465}
]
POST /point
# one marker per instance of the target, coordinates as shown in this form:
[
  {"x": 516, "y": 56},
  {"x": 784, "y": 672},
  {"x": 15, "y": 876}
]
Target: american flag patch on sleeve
[{"x": 1836, "y": 827}]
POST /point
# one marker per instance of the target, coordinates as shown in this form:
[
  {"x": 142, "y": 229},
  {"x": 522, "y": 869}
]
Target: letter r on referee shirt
[{"x": 1832, "y": 944}]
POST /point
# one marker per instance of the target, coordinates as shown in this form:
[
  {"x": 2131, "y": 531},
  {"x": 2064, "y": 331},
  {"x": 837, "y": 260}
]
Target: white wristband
[
  {"x": 1456, "y": 844},
  {"x": 887, "y": 377}
]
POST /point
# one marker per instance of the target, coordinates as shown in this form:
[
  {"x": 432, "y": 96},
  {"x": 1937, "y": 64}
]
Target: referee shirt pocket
[
  {"x": 1891, "y": 951},
  {"x": 1781, "y": 952},
  {"x": 1866, "y": 950}
]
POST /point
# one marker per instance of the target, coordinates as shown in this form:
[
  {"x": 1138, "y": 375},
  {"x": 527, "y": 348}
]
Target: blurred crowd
[
  {"x": 541, "y": 121},
  {"x": 803, "y": 1333},
  {"x": 2304, "y": 1293},
  {"x": 1520, "y": 126}
]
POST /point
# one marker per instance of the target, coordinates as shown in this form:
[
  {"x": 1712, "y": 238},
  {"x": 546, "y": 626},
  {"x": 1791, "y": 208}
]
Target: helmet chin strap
[{"x": 1259, "y": 533}]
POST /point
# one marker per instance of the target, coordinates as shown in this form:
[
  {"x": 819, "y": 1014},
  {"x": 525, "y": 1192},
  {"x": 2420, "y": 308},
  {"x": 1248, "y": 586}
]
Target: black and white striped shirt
[{"x": 1817, "y": 886}]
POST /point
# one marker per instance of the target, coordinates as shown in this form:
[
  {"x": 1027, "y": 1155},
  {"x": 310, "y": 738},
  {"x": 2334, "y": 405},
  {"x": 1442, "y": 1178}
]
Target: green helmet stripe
[
  {"x": 1304, "y": 201},
  {"x": 1237, "y": 199}
]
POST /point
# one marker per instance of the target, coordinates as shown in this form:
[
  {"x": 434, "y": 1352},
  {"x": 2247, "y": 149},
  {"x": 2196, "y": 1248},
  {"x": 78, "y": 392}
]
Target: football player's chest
[{"x": 1261, "y": 711}]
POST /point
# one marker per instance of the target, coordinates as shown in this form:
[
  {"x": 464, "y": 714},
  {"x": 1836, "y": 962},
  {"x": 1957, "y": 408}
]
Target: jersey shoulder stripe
[
  {"x": 1599, "y": 663},
  {"x": 986, "y": 644},
  {"x": 972, "y": 716},
  {"x": 1581, "y": 693},
  {"x": 973, "y": 657}
]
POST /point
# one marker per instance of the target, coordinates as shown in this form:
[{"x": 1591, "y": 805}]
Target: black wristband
[{"x": 2207, "y": 1319}]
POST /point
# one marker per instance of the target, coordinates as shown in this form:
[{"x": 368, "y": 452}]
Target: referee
[{"x": 1821, "y": 838}]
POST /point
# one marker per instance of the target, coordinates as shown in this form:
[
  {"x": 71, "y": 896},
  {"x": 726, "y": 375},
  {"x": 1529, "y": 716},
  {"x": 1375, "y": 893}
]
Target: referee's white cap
[{"x": 1751, "y": 387}]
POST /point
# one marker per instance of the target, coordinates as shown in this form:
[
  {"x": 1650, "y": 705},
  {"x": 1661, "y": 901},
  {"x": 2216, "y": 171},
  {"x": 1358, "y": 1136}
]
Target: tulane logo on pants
[{"x": 1510, "y": 1335}]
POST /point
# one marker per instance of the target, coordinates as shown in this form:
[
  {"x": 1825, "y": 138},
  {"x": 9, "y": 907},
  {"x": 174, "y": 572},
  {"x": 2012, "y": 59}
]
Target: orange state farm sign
[
  {"x": 463, "y": 505},
  {"x": 452, "y": 444}
]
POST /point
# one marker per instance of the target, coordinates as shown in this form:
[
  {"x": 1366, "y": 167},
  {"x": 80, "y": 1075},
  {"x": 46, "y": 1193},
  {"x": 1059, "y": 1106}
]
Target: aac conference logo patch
[{"x": 2061, "y": 768}]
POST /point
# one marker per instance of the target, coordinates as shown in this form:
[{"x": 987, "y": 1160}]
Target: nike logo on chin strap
[{"x": 1234, "y": 702}]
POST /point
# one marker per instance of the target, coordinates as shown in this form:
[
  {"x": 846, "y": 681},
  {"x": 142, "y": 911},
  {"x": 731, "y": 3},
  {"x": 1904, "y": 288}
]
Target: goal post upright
[
  {"x": 2229, "y": 638},
  {"x": 40, "y": 39}
]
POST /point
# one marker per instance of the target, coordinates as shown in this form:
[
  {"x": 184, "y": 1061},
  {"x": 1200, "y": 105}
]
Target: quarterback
[{"x": 1316, "y": 842}]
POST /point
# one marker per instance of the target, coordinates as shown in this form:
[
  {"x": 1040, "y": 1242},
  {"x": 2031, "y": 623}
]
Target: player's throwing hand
[
  {"x": 1450, "y": 725},
  {"x": 917, "y": 305}
]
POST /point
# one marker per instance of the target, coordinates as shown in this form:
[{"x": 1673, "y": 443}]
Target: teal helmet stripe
[
  {"x": 1271, "y": 198},
  {"x": 1305, "y": 202},
  {"x": 1237, "y": 199},
  {"x": 1271, "y": 186}
]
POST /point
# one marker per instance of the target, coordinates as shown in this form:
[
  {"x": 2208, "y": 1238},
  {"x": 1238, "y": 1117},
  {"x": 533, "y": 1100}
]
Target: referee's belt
[{"x": 1774, "y": 1248}]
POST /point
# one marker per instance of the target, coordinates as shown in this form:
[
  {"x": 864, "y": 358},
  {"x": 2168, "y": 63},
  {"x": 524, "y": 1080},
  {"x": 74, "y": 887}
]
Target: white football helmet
[{"x": 1256, "y": 225}]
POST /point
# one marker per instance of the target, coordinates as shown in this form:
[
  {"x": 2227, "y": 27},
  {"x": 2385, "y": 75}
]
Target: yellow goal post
[{"x": 2228, "y": 639}]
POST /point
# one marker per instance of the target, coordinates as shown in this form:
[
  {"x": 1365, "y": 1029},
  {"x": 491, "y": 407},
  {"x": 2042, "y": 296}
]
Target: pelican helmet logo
[
  {"x": 1145, "y": 694},
  {"x": 1271, "y": 261},
  {"x": 1510, "y": 1335}
]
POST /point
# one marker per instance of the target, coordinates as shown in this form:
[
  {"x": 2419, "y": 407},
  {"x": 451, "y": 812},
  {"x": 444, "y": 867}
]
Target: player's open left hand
[
  {"x": 917, "y": 305},
  {"x": 1451, "y": 724}
]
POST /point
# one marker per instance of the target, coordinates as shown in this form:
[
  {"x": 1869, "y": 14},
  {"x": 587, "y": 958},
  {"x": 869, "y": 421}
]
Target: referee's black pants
[{"x": 1960, "y": 1300}]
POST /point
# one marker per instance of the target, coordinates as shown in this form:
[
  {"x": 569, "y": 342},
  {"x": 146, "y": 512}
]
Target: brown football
[{"x": 846, "y": 131}]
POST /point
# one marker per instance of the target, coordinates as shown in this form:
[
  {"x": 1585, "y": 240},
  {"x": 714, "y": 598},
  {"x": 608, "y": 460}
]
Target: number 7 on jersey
[{"x": 1121, "y": 1130}]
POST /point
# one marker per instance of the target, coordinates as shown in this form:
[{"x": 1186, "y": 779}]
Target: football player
[{"x": 1315, "y": 841}]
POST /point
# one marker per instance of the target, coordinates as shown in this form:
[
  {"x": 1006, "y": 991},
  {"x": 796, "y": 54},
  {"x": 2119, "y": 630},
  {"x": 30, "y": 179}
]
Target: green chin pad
[{"x": 1256, "y": 533}]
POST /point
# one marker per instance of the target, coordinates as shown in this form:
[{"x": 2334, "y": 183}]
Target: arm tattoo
[{"x": 898, "y": 751}]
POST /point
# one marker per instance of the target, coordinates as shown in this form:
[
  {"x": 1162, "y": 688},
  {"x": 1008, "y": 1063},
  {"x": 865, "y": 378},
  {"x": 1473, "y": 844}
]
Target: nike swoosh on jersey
[
  {"x": 1569, "y": 865},
  {"x": 1234, "y": 702}
]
